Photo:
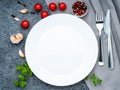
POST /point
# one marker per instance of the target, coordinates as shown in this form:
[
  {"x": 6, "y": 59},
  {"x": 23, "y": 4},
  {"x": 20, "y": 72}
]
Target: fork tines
[{"x": 99, "y": 17}]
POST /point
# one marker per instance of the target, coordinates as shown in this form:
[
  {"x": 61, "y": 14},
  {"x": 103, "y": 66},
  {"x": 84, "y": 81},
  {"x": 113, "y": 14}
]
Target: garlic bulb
[{"x": 16, "y": 38}]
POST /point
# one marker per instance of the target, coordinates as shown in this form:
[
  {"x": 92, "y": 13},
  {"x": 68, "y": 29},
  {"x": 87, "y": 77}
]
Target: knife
[{"x": 107, "y": 30}]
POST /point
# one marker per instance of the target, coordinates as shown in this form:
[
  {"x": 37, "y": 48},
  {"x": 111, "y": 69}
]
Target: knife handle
[{"x": 110, "y": 54}]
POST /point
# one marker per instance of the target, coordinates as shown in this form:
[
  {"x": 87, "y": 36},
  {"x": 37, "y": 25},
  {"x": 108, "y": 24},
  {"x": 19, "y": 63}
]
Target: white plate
[{"x": 61, "y": 49}]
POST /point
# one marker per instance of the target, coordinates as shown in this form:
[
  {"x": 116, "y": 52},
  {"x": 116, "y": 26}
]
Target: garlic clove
[
  {"x": 21, "y": 54},
  {"x": 19, "y": 35},
  {"x": 13, "y": 39},
  {"x": 24, "y": 11}
]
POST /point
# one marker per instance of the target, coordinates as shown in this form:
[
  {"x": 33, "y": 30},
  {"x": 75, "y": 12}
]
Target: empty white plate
[{"x": 61, "y": 49}]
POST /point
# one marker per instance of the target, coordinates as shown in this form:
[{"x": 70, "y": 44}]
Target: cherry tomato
[
  {"x": 62, "y": 6},
  {"x": 52, "y": 6},
  {"x": 38, "y": 7},
  {"x": 44, "y": 14},
  {"x": 25, "y": 24}
]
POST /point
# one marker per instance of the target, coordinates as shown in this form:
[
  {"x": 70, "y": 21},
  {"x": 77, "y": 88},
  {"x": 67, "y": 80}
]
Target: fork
[{"x": 99, "y": 25}]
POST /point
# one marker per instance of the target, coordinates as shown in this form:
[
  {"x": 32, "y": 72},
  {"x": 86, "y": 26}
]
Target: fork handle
[{"x": 101, "y": 63}]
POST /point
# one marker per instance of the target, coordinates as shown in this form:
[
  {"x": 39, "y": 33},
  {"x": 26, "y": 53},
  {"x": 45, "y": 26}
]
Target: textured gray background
[{"x": 9, "y": 57}]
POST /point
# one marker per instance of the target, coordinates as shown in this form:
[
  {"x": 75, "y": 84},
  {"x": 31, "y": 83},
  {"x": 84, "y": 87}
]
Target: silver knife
[{"x": 107, "y": 30}]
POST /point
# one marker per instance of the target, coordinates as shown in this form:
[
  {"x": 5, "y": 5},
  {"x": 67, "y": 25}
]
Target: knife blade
[{"x": 107, "y": 30}]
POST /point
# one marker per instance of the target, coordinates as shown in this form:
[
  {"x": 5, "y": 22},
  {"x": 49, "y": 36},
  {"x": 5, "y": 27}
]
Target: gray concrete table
[{"x": 9, "y": 57}]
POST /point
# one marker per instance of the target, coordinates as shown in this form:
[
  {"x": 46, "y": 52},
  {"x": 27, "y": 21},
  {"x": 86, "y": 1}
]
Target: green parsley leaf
[
  {"x": 21, "y": 77},
  {"x": 25, "y": 64},
  {"x": 99, "y": 81},
  {"x": 86, "y": 78},
  {"x": 18, "y": 67},
  {"x": 30, "y": 73},
  {"x": 94, "y": 79},
  {"x": 24, "y": 71},
  {"x": 16, "y": 83},
  {"x": 22, "y": 83}
]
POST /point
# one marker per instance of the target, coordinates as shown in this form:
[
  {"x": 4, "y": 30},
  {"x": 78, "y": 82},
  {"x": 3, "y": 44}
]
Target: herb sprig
[
  {"x": 25, "y": 73},
  {"x": 95, "y": 80}
]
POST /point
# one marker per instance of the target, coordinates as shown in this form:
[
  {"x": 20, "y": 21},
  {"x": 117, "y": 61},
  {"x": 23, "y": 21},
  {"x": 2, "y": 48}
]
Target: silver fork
[{"x": 99, "y": 25}]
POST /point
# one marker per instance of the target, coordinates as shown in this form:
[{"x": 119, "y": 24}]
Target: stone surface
[{"x": 9, "y": 57}]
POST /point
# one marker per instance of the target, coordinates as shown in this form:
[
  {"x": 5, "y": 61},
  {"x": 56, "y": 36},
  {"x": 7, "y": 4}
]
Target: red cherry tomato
[
  {"x": 52, "y": 6},
  {"x": 44, "y": 14},
  {"x": 62, "y": 6},
  {"x": 25, "y": 24},
  {"x": 38, "y": 7}
]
